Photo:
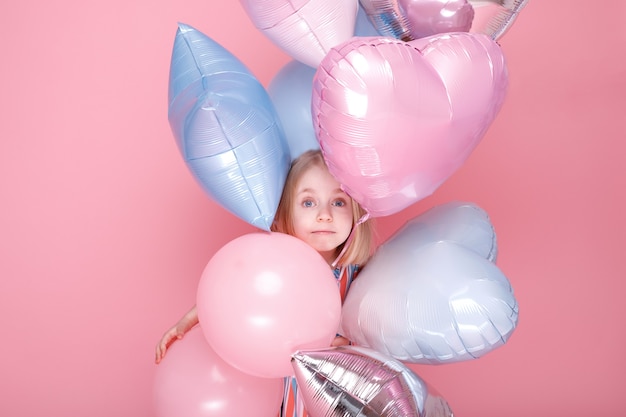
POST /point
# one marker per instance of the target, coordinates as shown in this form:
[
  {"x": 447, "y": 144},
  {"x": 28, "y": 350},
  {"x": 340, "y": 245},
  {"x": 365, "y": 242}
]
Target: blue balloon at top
[{"x": 226, "y": 128}]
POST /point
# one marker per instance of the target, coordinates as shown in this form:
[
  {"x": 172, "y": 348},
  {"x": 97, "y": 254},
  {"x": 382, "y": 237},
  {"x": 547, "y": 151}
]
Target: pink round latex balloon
[
  {"x": 396, "y": 119},
  {"x": 193, "y": 381},
  {"x": 263, "y": 296}
]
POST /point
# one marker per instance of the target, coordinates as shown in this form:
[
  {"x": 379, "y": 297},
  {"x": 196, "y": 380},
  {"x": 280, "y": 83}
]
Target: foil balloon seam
[{"x": 231, "y": 149}]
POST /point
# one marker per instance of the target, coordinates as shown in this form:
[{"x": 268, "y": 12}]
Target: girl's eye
[
  {"x": 339, "y": 203},
  {"x": 308, "y": 203}
]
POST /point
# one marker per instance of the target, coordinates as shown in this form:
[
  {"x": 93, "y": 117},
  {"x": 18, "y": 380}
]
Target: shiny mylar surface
[
  {"x": 395, "y": 119},
  {"x": 226, "y": 128},
  {"x": 432, "y": 293},
  {"x": 413, "y": 19},
  {"x": 305, "y": 29},
  {"x": 352, "y": 381}
]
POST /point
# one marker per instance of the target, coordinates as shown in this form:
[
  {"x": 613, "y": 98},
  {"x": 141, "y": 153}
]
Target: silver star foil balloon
[{"x": 351, "y": 381}]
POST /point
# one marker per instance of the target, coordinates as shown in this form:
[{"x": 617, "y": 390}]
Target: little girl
[{"x": 315, "y": 209}]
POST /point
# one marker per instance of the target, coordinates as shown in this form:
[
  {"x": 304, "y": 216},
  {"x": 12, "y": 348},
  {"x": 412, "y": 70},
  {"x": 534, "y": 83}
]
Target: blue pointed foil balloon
[
  {"x": 226, "y": 128},
  {"x": 350, "y": 381},
  {"x": 432, "y": 293}
]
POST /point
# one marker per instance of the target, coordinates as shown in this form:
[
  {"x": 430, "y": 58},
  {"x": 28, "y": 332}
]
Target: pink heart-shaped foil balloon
[
  {"x": 304, "y": 29},
  {"x": 395, "y": 119}
]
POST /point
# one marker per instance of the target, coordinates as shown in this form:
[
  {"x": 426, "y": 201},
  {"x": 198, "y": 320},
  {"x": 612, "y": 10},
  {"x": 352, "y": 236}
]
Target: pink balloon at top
[
  {"x": 262, "y": 297},
  {"x": 414, "y": 19},
  {"x": 395, "y": 119},
  {"x": 495, "y": 17},
  {"x": 304, "y": 29},
  {"x": 429, "y": 17}
]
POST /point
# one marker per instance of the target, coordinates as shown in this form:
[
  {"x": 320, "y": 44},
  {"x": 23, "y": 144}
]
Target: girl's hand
[{"x": 175, "y": 333}]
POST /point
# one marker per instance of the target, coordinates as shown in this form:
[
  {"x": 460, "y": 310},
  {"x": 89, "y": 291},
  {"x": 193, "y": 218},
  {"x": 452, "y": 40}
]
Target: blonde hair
[{"x": 360, "y": 243}]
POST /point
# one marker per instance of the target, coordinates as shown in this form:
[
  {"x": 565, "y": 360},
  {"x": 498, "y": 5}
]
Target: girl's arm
[{"x": 177, "y": 332}]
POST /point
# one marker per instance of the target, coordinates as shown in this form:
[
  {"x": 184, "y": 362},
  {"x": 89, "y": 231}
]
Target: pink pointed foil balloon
[
  {"x": 395, "y": 119},
  {"x": 304, "y": 29},
  {"x": 414, "y": 19},
  {"x": 352, "y": 381}
]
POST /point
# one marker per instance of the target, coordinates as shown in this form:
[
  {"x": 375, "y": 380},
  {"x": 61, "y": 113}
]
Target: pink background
[{"x": 104, "y": 233}]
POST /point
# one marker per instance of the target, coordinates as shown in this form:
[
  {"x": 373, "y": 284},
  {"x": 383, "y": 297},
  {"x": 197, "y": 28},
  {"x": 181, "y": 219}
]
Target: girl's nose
[{"x": 324, "y": 215}]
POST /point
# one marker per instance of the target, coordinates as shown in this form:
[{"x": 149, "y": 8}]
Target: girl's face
[{"x": 322, "y": 212}]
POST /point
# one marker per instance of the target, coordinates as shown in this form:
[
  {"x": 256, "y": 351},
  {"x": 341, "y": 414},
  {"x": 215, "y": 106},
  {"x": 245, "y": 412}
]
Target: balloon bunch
[{"x": 396, "y": 94}]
